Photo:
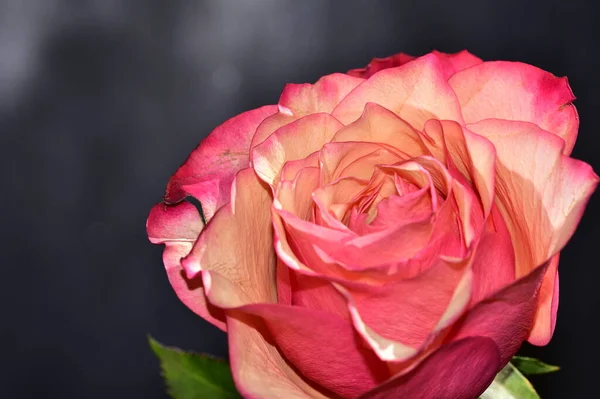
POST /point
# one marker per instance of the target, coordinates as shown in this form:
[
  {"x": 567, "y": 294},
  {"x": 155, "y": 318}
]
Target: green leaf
[
  {"x": 193, "y": 376},
  {"x": 531, "y": 366},
  {"x": 510, "y": 384}
]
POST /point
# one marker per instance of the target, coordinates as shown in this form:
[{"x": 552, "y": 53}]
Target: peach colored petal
[
  {"x": 210, "y": 168},
  {"x": 238, "y": 241},
  {"x": 451, "y": 63},
  {"x": 542, "y": 195},
  {"x": 416, "y": 92},
  {"x": 545, "y": 316},
  {"x": 469, "y": 159},
  {"x": 295, "y": 196},
  {"x": 354, "y": 159},
  {"x": 323, "y": 96},
  {"x": 291, "y": 168},
  {"x": 472, "y": 155},
  {"x": 178, "y": 227},
  {"x": 258, "y": 368},
  {"x": 518, "y": 92},
  {"x": 506, "y": 316},
  {"x": 291, "y": 142},
  {"x": 380, "y": 125},
  {"x": 540, "y": 192},
  {"x": 462, "y": 369},
  {"x": 334, "y": 200},
  {"x": 298, "y": 100}
]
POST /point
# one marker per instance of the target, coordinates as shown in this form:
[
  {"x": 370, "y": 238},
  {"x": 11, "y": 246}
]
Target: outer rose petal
[
  {"x": 518, "y": 92},
  {"x": 540, "y": 192},
  {"x": 178, "y": 228},
  {"x": 259, "y": 370},
  {"x": 378, "y": 64},
  {"x": 210, "y": 168},
  {"x": 545, "y": 316},
  {"x": 323, "y": 347},
  {"x": 238, "y": 241},
  {"x": 417, "y": 91},
  {"x": 462, "y": 369},
  {"x": 451, "y": 63},
  {"x": 542, "y": 195},
  {"x": 506, "y": 317},
  {"x": 323, "y": 96}
]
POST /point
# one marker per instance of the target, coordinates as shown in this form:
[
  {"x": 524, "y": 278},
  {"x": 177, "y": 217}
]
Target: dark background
[{"x": 100, "y": 101}]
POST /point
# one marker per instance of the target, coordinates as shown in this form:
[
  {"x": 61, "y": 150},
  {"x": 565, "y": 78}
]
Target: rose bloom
[{"x": 392, "y": 232}]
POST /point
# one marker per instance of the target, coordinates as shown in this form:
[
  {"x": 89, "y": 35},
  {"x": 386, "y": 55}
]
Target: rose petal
[
  {"x": 378, "y": 64},
  {"x": 210, "y": 168},
  {"x": 545, "y": 315},
  {"x": 295, "y": 196},
  {"x": 416, "y": 92},
  {"x": 178, "y": 227},
  {"x": 398, "y": 209},
  {"x": 354, "y": 159},
  {"x": 540, "y": 193},
  {"x": 455, "y": 62},
  {"x": 298, "y": 100},
  {"x": 518, "y": 92},
  {"x": 355, "y": 252},
  {"x": 494, "y": 263},
  {"x": 238, "y": 241},
  {"x": 294, "y": 141},
  {"x": 462, "y": 369},
  {"x": 317, "y": 293},
  {"x": 473, "y": 156},
  {"x": 323, "y": 347},
  {"x": 451, "y": 63},
  {"x": 506, "y": 316},
  {"x": 291, "y": 168},
  {"x": 411, "y": 311},
  {"x": 319, "y": 344},
  {"x": 258, "y": 368},
  {"x": 380, "y": 125},
  {"x": 334, "y": 200},
  {"x": 323, "y": 96}
]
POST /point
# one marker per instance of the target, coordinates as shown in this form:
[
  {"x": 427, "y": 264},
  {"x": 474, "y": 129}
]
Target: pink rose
[{"x": 393, "y": 232}]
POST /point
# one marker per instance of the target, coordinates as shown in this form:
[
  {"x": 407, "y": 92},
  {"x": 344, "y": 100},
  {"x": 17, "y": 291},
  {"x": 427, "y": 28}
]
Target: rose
[{"x": 390, "y": 232}]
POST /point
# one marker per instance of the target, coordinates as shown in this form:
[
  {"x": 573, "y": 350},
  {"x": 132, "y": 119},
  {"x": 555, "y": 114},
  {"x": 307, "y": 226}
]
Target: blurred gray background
[{"x": 100, "y": 101}]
